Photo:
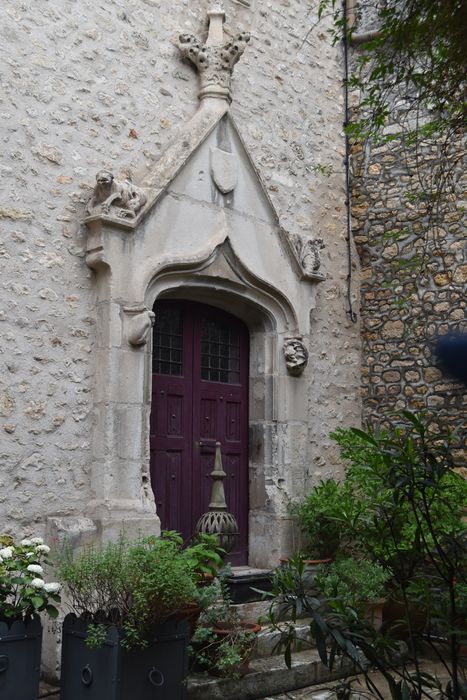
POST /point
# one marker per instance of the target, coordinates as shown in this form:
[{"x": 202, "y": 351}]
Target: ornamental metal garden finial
[
  {"x": 216, "y": 58},
  {"x": 217, "y": 521}
]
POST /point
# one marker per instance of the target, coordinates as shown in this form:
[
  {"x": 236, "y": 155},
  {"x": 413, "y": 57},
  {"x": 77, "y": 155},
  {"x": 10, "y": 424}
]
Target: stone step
[
  {"x": 252, "y": 612},
  {"x": 269, "y": 637},
  {"x": 267, "y": 676}
]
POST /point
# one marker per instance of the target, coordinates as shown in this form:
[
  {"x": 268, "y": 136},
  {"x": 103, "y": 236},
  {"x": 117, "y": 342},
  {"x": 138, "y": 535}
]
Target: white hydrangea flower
[
  {"x": 1, "y": 560},
  {"x": 26, "y": 543},
  {"x": 45, "y": 549},
  {"x": 35, "y": 569},
  {"x": 37, "y": 583},
  {"x": 6, "y": 552},
  {"x": 37, "y": 540},
  {"x": 52, "y": 587}
]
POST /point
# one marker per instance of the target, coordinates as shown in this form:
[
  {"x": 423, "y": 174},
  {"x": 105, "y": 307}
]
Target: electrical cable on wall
[{"x": 352, "y": 314}]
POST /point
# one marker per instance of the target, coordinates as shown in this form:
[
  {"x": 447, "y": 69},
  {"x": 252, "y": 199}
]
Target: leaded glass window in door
[
  {"x": 220, "y": 352},
  {"x": 167, "y": 343}
]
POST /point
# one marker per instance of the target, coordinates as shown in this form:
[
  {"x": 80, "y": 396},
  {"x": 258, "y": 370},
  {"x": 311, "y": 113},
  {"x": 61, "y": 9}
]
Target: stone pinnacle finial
[
  {"x": 217, "y": 520},
  {"x": 216, "y": 27},
  {"x": 214, "y": 59}
]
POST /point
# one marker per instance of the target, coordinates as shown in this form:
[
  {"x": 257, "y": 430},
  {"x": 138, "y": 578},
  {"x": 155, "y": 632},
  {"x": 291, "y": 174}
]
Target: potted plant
[
  {"x": 203, "y": 553},
  {"x": 358, "y": 584},
  {"x": 204, "y": 557},
  {"x": 410, "y": 519},
  {"x": 323, "y": 517},
  {"x": 223, "y": 643},
  {"x": 411, "y": 508},
  {"x": 23, "y": 595},
  {"x": 126, "y": 636}
]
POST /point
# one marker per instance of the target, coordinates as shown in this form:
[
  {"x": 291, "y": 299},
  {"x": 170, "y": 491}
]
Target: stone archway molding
[
  {"x": 232, "y": 277},
  {"x": 201, "y": 223}
]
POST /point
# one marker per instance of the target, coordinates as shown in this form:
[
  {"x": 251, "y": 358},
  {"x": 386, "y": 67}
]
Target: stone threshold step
[{"x": 267, "y": 676}]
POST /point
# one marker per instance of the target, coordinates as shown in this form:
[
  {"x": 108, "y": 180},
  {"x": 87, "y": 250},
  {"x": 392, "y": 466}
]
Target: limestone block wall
[
  {"x": 87, "y": 85},
  {"x": 413, "y": 288}
]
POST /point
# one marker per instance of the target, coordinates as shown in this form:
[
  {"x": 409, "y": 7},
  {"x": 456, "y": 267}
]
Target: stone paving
[
  {"x": 324, "y": 692},
  {"x": 48, "y": 691}
]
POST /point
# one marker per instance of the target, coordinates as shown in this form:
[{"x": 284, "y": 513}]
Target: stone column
[{"x": 120, "y": 478}]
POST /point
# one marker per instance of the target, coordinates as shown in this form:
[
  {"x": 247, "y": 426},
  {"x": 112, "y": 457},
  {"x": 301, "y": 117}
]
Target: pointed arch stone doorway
[{"x": 200, "y": 374}]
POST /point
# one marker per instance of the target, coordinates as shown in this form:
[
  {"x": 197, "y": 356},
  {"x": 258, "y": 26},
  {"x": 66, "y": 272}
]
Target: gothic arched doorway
[{"x": 200, "y": 371}]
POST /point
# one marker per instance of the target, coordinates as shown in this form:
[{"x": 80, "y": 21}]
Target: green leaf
[
  {"x": 405, "y": 691},
  {"x": 320, "y": 643},
  {"x": 37, "y": 601},
  {"x": 52, "y": 612},
  {"x": 364, "y": 436}
]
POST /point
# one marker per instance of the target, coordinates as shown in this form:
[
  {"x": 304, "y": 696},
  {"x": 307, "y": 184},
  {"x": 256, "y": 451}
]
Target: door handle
[{"x": 212, "y": 444}]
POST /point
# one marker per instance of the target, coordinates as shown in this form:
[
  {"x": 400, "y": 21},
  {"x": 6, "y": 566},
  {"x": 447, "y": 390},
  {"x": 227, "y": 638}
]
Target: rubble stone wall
[{"x": 413, "y": 281}]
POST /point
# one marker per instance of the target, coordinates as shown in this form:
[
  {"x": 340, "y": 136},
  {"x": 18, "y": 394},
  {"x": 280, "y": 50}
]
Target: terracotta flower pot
[
  {"x": 374, "y": 612},
  {"x": 394, "y": 618},
  {"x": 190, "y": 612},
  {"x": 205, "y": 580},
  {"x": 224, "y": 630}
]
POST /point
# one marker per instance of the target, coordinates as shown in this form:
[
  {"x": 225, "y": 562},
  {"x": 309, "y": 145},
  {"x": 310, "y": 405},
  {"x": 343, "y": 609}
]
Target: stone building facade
[
  {"x": 229, "y": 197},
  {"x": 92, "y": 86}
]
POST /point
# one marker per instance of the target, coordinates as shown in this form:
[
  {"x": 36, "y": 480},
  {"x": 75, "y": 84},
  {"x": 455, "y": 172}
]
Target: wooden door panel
[
  {"x": 174, "y": 415},
  {"x": 232, "y": 482},
  {"x": 208, "y": 419},
  {"x": 233, "y": 421},
  {"x": 168, "y": 416},
  {"x": 169, "y": 492}
]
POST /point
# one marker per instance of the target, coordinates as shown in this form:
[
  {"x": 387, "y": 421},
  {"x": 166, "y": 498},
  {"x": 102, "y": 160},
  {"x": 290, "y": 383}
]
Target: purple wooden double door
[{"x": 199, "y": 395}]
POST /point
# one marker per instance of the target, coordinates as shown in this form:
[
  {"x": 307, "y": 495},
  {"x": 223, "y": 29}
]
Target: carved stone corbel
[
  {"x": 306, "y": 254},
  {"x": 139, "y": 325},
  {"x": 119, "y": 199},
  {"x": 296, "y": 355}
]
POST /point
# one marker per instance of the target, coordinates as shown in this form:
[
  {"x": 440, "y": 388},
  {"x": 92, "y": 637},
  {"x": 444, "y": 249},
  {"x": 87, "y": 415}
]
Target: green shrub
[
  {"x": 321, "y": 516},
  {"x": 410, "y": 500},
  {"x": 352, "y": 581},
  {"x": 132, "y": 584}
]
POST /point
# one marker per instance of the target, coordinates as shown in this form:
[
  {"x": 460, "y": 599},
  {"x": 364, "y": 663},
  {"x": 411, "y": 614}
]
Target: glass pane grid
[
  {"x": 220, "y": 348},
  {"x": 167, "y": 343}
]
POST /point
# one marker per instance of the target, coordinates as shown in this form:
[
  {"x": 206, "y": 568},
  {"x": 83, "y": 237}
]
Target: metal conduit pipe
[{"x": 348, "y": 205}]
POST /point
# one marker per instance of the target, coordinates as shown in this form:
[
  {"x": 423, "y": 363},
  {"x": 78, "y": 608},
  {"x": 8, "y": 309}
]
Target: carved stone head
[
  {"x": 296, "y": 355},
  {"x": 104, "y": 177}
]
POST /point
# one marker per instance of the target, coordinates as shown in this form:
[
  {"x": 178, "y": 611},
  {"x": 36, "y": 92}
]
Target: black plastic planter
[
  {"x": 112, "y": 673},
  {"x": 20, "y": 659}
]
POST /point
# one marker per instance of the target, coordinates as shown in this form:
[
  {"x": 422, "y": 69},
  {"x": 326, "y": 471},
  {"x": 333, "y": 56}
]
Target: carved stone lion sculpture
[
  {"x": 127, "y": 198},
  {"x": 296, "y": 355}
]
